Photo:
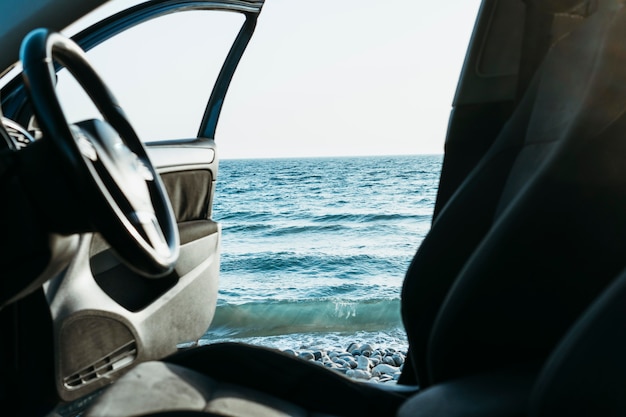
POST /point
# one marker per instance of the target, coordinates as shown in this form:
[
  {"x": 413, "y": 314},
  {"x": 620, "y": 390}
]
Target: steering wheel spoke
[{"x": 148, "y": 225}]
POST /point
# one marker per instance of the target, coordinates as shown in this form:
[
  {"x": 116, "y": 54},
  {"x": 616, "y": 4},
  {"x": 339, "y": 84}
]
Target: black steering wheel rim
[{"x": 107, "y": 165}]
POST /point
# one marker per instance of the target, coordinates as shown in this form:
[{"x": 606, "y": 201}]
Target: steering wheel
[{"x": 104, "y": 160}]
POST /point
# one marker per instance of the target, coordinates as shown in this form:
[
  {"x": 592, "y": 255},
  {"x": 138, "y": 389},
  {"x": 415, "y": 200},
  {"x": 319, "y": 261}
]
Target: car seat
[
  {"x": 559, "y": 230},
  {"x": 471, "y": 211},
  {"x": 584, "y": 375}
]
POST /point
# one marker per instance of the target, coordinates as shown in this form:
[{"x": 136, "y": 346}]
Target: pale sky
[
  {"x": 347, "y": 78},
  {"x": 328, "y": 78}
]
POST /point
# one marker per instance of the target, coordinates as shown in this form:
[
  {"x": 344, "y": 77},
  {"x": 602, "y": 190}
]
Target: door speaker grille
[{"x": 103, "y": 367}]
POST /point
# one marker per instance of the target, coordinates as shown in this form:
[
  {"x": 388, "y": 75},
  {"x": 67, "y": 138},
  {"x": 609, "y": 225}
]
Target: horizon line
[{"x": 331, "y": 156}]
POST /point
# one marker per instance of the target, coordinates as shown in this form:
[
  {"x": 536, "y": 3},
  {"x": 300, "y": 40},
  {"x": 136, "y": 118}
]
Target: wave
[
  {"x": 368, "y": 218},
  {"x": 248, "y": 289},
  {"x": 273, "y": 230},
  {"x": 243, "y": 217},
  {"x": 310, "y": 316},
  {"x": 269, "y": 225},
  {"x": 338, "y": 265},
  {"x": 292, "y": 230}
]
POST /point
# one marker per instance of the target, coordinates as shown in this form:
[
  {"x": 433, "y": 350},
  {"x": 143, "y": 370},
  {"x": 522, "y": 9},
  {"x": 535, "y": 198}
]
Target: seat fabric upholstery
[
  {"x": 154, "y": 387},
  {"x": 586, "y": 373},
  {"x": 290, "y": 378},
  {"x": 455, "y": 234},
  {"x": 472, "y": 212},
  {"x": 502, "y": 393},
  {"x": 560, "y": 228}
]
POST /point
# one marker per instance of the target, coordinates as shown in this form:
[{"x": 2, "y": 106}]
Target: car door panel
[{"x": 122, "y": 318}]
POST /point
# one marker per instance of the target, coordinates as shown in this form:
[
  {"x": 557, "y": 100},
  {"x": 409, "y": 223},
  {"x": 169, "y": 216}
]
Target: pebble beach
[{"x": 358, "y": 361}]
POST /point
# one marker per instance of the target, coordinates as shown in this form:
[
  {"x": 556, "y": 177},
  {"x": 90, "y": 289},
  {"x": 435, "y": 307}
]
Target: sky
[
  {"x": 347, "y": 78},
  {"x": 328, "y": 78}
]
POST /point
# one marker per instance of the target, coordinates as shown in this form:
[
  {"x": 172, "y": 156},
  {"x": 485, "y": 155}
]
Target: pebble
[
  {"x": 389, "y": 361},
  {"x": 398, "y": 359},
  {"x": 362, "y": 362},
  {"x": 359, "y": 374},
  {"x": 383, "y": 369}
]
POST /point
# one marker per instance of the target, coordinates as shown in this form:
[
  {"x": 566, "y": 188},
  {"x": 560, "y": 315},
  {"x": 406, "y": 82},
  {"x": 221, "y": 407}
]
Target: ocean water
[{"x": 314, "y": 251}]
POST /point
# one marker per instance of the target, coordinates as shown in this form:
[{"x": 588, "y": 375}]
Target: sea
[{"x": 314, "y": 250}]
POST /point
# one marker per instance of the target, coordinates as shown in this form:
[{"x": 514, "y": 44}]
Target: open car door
[{"x": 107, "y": 317}]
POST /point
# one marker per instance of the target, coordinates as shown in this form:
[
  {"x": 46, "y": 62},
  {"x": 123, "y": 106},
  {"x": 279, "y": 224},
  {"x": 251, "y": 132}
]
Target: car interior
[{"x": 512, "y": 304}]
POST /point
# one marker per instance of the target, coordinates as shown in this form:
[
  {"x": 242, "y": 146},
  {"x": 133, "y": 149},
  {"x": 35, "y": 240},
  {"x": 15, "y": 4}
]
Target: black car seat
[
  {"x": 556, "y": 243},
  {"x": 553, "y": 245},
  {"x": 584, "y": 376},
  {"x": 586, "y": 373},
  {"x": 471, "y": 211},
  {"x": 454, "y": 235},
  {"x": 560, "y": 228}
]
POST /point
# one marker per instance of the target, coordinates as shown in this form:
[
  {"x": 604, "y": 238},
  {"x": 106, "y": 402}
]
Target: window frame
[{"x": 14, "y": 99}]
